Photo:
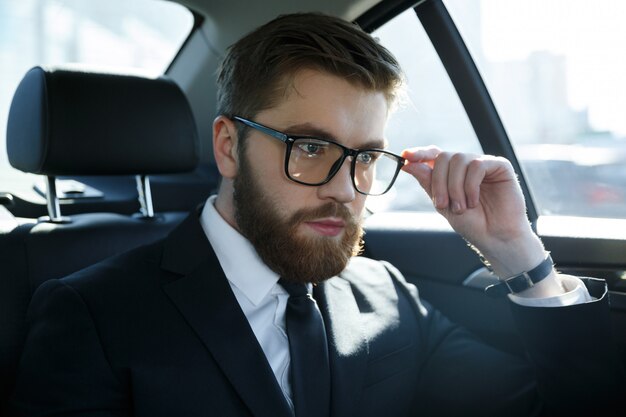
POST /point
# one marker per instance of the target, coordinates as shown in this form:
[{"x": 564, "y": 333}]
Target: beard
[{"x": 295, "y": 257}]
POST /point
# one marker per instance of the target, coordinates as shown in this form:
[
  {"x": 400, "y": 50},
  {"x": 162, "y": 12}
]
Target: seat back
[{"x": 71, "y": 123}]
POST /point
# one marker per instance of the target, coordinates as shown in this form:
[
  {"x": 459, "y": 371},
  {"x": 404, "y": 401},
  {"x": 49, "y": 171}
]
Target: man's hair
[{"x": 259, "y": 67}]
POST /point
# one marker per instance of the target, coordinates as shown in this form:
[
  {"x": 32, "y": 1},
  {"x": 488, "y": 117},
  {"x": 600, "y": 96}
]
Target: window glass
[
  {"x": 130, "y": 36},
  {"x": 555, "y": 70},
  {"x": 430, "y": 114}
]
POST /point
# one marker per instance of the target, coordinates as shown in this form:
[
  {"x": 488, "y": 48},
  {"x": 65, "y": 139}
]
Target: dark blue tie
[{"x": 310, "y": 371}]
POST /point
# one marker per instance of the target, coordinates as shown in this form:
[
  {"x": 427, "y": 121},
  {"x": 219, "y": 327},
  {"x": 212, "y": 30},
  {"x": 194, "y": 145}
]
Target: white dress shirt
[
  {"x": 575, "y": 293},
  {"x": 256, "y": 288},
  {"x": 264, "y": 301}
]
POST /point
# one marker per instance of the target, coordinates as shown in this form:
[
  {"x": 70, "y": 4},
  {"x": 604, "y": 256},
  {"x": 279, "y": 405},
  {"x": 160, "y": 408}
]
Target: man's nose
[{"x": 340, "y": 187}]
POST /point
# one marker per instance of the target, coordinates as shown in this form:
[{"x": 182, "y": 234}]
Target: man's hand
[{"x": 482, "y": 200}]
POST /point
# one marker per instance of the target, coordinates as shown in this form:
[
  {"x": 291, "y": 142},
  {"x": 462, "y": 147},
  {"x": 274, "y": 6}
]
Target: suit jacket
[{"x": 158, "y": 332}]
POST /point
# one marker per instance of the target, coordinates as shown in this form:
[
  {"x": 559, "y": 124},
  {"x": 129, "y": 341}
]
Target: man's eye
[
  {"x": 366, "y": 158},
  {"x": 312, "y": 148}
]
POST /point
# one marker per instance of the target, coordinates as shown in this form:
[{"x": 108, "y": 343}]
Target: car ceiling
[{"x": 235, "y": 17}]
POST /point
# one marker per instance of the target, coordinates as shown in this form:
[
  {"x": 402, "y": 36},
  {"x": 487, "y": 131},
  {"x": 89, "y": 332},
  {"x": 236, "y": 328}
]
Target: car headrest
[{"x": 77, "y": 123}]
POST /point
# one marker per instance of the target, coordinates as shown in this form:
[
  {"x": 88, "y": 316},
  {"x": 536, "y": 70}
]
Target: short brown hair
[{"x": 257, "y": 65}]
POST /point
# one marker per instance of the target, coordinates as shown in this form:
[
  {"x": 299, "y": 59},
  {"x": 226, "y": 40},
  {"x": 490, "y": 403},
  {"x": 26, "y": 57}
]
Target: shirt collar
[{"x": 241, "y": 263}]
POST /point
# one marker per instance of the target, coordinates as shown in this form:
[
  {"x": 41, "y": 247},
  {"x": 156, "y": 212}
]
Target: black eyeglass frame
[{"x": 290, "y": 140}]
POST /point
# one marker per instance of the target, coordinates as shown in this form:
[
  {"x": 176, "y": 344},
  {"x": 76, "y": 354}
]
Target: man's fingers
[
  {"x": 420, "y": 162},
  {"x": 439, "y": 184},
  {"x": 457, "y": 172},
  {"x": 485, "y": 169},
  {"x": 424, "y": 154},
  {"x": 422, "y": 172},
  {"x": 453, "y": 180},
  {"x": 475, "y": 175}
]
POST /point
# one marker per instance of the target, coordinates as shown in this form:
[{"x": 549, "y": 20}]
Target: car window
[
  {"x": 555, "y": 71},
  {"x": 138, "y": 36},
  {"x": 430, "y": 112}
]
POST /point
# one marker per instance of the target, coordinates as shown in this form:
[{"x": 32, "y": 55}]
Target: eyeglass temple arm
[{"x": 268, "y": 131}]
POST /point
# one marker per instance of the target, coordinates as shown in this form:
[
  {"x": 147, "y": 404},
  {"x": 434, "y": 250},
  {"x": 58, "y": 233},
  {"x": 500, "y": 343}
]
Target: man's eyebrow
[{"x": 307, "y": 129}]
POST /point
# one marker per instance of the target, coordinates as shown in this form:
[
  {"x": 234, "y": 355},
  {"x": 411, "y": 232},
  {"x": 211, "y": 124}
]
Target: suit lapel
[
  {"x": 348, "y": 347},
  {"x": 205, "y": 299}
]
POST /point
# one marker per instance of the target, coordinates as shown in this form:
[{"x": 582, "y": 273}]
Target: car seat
[{"x": 67, "y": 123}]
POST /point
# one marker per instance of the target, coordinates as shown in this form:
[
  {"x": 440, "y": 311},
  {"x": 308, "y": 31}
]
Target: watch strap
[{"x": 523, "y": 281}]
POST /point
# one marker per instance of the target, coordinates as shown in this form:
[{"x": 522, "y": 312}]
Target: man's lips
[{"x": 327, "y": 226}]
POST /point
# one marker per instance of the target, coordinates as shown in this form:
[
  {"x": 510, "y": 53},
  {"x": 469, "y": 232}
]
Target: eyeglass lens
[{"x": 312, "y": 161}]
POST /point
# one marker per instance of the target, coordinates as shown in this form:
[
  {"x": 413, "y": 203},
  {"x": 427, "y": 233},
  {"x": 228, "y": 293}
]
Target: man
[{"x": 214, "y": 320}]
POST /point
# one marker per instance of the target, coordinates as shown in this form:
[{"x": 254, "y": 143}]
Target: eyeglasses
[{"x": 313, "y": 161}]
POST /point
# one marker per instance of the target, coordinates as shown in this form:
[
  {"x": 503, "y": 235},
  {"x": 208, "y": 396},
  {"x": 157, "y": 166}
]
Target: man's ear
[{"x": 225, "y": 146}]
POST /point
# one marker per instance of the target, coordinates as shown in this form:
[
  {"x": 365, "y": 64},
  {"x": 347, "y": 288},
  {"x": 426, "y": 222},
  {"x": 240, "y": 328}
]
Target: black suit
[{"x": 158, "y": 332}]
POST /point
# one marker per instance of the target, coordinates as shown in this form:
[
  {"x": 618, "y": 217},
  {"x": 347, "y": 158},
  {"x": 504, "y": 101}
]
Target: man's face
[{"x": 304, "y": 233}]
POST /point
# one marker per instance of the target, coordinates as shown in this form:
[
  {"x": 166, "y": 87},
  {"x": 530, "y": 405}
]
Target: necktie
[{"x": 310, "y": 371}]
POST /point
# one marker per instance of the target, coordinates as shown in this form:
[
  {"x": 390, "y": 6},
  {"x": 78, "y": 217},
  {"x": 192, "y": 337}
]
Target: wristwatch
[{"x": 523, "y": 281}]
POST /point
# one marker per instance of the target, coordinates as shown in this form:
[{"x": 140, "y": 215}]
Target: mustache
[{"x": 327, "y": 210}]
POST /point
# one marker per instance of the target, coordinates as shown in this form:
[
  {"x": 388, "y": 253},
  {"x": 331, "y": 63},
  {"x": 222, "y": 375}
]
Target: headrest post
[
  {"x": 145, "y": 196},
  {"x": 54, "y": 208}
]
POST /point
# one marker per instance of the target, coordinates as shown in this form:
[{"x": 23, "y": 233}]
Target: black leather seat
[{"x": 70, "y": 123}]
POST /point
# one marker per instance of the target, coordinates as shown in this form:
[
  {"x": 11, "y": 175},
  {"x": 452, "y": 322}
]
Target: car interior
[{"x": 121, "y": 159}]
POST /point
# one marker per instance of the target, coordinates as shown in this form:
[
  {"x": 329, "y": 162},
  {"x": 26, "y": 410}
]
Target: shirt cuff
[{"x": 575, "y": 293}]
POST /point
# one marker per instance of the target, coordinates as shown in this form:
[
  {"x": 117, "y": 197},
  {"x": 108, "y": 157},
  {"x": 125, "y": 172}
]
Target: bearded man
[{"x": 257, "y": 305}]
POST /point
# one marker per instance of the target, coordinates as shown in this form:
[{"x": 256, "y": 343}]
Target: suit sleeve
[
  {"x": 571, "y": 349},
  {"x": 63, "y": 370},
  {"x": 571, "y": 367}
]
